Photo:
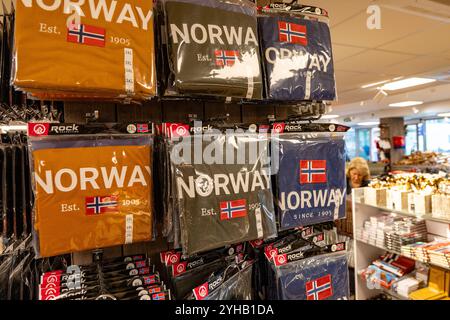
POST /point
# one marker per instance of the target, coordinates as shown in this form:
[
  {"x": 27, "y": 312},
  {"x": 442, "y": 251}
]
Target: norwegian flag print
[
  {"x": 142, "y": 128},
  {"x": 226, "y": 57},
  {"x": 313, "y": 171},
  {"x": 319, "y": 289},
  {"x": 88, "y": 35},
  {"x": 101, "y": 204},
  {"x": 233, "y": 209},
  {"x": 159, "y": 296},
  {"x": 292, "y": 33}
]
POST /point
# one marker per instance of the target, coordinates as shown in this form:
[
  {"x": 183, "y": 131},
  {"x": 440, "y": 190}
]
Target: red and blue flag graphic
[
  {"x": 159, "y": 296},
  {"x": 85, "y": 34},
  {"x": 226, "y": 57},
  {"x": 292, "y": 33},
  {"x": 313, "y": 171},
  {"x": 319, "y": 289},
  {"x": 101, "y": 204},
  {"x": 233, "y": 209},
  {"x": 142, "y": 128}
]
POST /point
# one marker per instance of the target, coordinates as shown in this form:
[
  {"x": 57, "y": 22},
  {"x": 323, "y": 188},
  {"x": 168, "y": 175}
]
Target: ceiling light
[
  {"x": 373, "y": 84},
  {"x": 406, "y": 83},
  {"x": 406, "y": 104},
  {"x": 330, "y": 116},
  {"x": 415, "y": 110},
  {"x": 368, "y": 123},
  {"x": 445, "y": 115}
]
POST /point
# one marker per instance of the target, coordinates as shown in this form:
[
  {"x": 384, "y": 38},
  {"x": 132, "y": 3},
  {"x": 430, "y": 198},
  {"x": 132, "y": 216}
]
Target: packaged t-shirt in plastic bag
[
  {"x": 80, "y": 49},
  {"x": 223, "y": 188},
  {"x": 322, "y": 277},
  {"x": 232, "y": 283},
  {"x": 213, "y": 48},
  {"x": 297, "y": 54},
  {"x": 310, "y": 178},
  {"x": 93, "y": 187}
]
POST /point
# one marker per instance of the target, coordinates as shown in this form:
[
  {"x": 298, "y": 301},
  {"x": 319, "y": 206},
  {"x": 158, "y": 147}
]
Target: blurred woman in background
[{"x": 358, "y": 174}]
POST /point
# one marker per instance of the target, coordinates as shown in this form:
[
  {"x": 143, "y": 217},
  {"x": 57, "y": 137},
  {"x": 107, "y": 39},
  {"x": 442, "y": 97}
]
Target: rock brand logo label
[
  {"x": 201, "y": 292},
  {"x": 38, "y": 129}
]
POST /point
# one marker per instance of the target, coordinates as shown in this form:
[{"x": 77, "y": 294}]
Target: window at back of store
[
  {"x": 411, "y": 139},
  {"x": 438, "y": 135}
]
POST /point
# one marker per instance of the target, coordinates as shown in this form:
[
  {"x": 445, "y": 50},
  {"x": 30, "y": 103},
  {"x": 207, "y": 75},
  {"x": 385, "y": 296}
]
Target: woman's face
[{"x": 356, "y": 177}]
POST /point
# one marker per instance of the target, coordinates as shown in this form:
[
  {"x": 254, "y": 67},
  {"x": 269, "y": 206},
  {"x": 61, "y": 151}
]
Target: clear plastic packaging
[
  {"x": 104, "y": 53},
  {"x": 212, "y": 48},
  {"x": 236, "y": 287},
  {"x": 323, "y": 277},
  {"x": 297, "y": 54},
  {"x": 310, "y": 178},
  {"x": 92, "y": 189},
  {"x": 184, "y": 283},
  {"x": 225, "y": 201}
]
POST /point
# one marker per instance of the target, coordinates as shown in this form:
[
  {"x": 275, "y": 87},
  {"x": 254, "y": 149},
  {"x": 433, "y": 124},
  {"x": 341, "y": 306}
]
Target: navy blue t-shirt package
[
  {"x": 310, "y": 179},
  {"x": 297, "y": 55}
]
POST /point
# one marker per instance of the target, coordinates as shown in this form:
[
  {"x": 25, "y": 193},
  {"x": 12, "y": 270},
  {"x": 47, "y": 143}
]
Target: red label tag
[
  {"x": 201, "y": 292},
  {"x": 49, "y": 293},
  {"x": 270, "y": 252},
  {"x": 280, "y": 260},
  {"x": 178, "y": 130},
  {"x": 38, "y": 129},
  {"x": 163, "y": 256},
  {"x": 338, "y": 247},
  {"x": 278, "y": 127},
  {"x": 179, "y": 268},
  {"x": 173, "y": 258}
]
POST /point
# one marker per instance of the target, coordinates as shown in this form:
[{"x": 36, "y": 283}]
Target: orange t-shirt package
[
  {"x": 91, "y": 190},
  {"x": 83, "y": 48}
]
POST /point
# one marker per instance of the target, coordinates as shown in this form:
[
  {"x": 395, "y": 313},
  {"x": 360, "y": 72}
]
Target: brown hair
[{"x": 361, "y": 165}]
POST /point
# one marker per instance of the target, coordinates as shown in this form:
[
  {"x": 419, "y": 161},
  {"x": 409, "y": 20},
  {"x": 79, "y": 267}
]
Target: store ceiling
[{"x": 406, "y": 45}]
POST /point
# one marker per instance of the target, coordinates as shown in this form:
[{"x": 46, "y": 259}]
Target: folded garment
[
  {"x": 213, "y": 48},
  {"x": 297, "y": 57},
  {"x": 311, "y": 184},
  {"x": 108, "y": 51},
  {"x": 91, "y": 193},
  {"x": 222, "y": 204}
]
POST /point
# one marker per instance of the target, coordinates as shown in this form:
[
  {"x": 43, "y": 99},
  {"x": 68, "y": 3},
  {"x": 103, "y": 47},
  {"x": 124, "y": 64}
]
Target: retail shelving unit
[{"x": 365, "y": 252}]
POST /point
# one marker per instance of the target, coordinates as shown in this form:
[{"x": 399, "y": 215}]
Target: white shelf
[
  {"x": 408, "y": 214},
  {"x": 399, "y": 253},
  {"x": 365, "y": 253}
]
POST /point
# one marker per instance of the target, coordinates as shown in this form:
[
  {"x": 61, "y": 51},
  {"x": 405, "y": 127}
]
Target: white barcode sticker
[
  {"x": 336, "y": 209},
  {"x": 128, "y": 228},
  {"x": 251, "y": 83},
  {"x": 129, "y": 70},
  {"x": 308, "y": 85},
  {"x": 259, "y": 226}
]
